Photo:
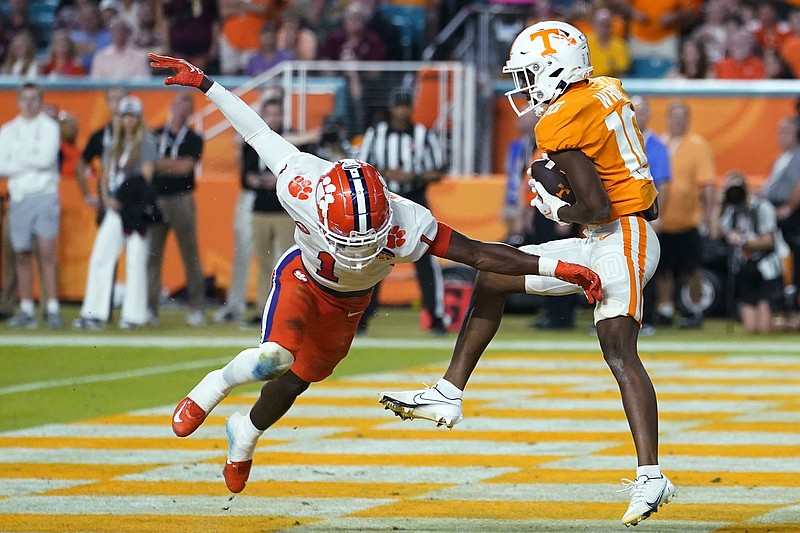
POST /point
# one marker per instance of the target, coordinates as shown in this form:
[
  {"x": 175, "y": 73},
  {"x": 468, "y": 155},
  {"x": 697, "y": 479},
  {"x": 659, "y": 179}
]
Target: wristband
[{"x": 547, "y": 266}]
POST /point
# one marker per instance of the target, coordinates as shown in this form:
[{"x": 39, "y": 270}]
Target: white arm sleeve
[{"x": 271, "y": 147}]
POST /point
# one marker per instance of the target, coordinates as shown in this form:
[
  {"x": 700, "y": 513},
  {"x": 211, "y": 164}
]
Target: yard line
[{"x": 112, "y": 376}]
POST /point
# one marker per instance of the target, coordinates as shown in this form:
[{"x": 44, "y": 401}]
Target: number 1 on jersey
[
  {"x": 628, "y": 142},
  {"x": 325, "y": 270}
]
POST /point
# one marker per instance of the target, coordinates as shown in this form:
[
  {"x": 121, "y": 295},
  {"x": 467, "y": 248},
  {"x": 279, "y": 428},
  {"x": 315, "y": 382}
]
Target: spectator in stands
[
  {"x": 273, "y": 228},
  {"x": 319, "y": 17},
  {"x": 693, "y": 63},
  {"x": 21, "y": 58},
  {"x": 29, "y": 159},
  {"x": 742, "y": 62},
  {"x": 749, "y": 227},
  {"x": 241, "y": 23},
  {"x": 63, "y": 59},
  {"x": 656, "y": 26},
  {"x": 97, "y": 146},
  {"x": 121, "y": 60},
  {"x": 109, "y": 10},
  {"x": 782, "y": 189},
  {"x": 69, "y": 153},
  {"x": 769, "y": 30},
  {"x": 658, "y": 159},
  {"x": 19, "y": 20},
  {"x": 91, "y": 35},
  {"x": 191, "y": 26},
  {"x": 179, "y": 151},
  {"x": 151, "y": 32},
  {"x": 354, "y": 42},
  {"x": 410, "y": 158},
  {"x": 268, "y": 54},
  {"x": 775, "y": 66},
  {"x": 609, "y": 52},
  {"x": 127, "y": 172},
  {"x": 333, "y": 144},
  {"x": 295, "y": 36},
  {"x": 790, "y": 49},
  {"x": 5, "y": 38},
  {"x": 390, "y": 34},
  {"x": 714, "y": 31},
  {"x": 685, "y": 217},
  {"x": 128, "y": 10}
]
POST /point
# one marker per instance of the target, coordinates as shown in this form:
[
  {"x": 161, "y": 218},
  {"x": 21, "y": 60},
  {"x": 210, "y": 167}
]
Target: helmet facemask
[{"x": 352, "y": 200}]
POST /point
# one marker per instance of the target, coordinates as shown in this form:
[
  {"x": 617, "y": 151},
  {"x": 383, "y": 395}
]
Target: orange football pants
[{"x": 314, "y": 325}]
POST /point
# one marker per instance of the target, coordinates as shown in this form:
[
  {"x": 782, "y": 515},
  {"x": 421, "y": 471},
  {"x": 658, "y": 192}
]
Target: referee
[{"x": 409, "y": 157}]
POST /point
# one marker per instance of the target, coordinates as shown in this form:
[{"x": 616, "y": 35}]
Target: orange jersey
[{"x": 596, "y": 117}]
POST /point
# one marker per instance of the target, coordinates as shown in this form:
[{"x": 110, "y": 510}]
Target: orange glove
[
  {"x": 580, "y": 275},
  {"x": 185, "y": 73}
]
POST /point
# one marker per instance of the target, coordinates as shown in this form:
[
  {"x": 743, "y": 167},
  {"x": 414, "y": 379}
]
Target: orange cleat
[
  {"x": 236, "y": 474},
  {"x": 187, "y": 417}
]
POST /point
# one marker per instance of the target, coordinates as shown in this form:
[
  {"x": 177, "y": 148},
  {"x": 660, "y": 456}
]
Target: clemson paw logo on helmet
[
  {"x": 300, "y": 188},
  {"x": 326, "y": 198},
  {"x": 397, "y": 237}
]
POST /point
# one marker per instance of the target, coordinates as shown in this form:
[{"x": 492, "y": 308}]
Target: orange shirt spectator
[
  {"x": 654, "y": 20},
  {"x": 242, "y": 21},
  {"x": 790, "y": 49},
  {"x": 63, "y": 58},
  {"x": 741, "y": 63},
  {"x": 770, "y": 32}
]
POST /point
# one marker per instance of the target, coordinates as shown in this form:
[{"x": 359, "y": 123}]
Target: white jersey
[{"x": 413, "y": 226}]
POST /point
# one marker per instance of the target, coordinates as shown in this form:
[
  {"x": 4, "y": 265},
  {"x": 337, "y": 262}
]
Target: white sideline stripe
[
  {"x": 320, "y": 472},
  {"x": 404, "y": 447},
  {"x": 648, "y": 345},
  {"x": 187, "y": 505},
  {"x": 111, "y": 457},
  {"x": 731, "y": 438},
  {"x": 113, "y": 376},
  {"x": 671, "y": 406},
  {"x": 770, "y": 416},
  {"x": 492, "y": 525},
  {"x": 162, "y": 431},
  {"x": 684, "y": 463},
  {"x": 23, "y": 486},
  {"x": 784, "y": 515},
  {"x": 607, "y": 493}
]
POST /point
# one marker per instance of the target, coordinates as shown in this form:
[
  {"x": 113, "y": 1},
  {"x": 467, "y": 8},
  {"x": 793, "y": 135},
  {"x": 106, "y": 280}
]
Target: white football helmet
[{"x": 544, "y": 59}]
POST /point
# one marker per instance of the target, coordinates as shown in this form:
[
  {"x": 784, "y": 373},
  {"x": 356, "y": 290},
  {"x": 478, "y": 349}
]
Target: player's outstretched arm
[
  {"x": 507, "y": 260},
  {"x": 271, "y": 147}
]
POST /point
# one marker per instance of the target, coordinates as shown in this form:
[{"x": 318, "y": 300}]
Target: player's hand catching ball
[{"x": 547, "y": 204}]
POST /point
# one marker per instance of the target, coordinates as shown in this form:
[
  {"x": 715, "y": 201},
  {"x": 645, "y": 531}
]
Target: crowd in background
[{"x": 109, "y": 39}]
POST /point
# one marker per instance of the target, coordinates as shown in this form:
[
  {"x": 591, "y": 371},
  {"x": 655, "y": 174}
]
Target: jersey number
[
  {"x": 630, "y": 147},
  {"x": 325, "y": 270}
]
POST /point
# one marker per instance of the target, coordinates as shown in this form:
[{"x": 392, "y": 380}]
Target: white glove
[{"x": 546, "y": 203}]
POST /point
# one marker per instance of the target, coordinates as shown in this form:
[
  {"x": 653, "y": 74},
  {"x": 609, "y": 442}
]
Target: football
[{"x": 553, "y": 179}]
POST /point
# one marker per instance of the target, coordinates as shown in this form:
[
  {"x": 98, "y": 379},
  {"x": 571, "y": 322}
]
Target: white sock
[
  {"x": 247, "y": 436},
  {"x": 651, "y": 471},
  {"x": 219, "y": 383},
  {"x": 448, "y": 389},
  {"x": 52, "y": 306},
  {"x": 27, "y": 307}
]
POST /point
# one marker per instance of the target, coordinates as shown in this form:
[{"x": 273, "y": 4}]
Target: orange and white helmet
[
  {"x": 354, "y": 212},
  {"x": 544, "y": 59}
]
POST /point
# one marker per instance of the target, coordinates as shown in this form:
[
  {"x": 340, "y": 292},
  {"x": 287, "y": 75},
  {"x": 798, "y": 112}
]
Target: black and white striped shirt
[{"x": 415, "y": 150}]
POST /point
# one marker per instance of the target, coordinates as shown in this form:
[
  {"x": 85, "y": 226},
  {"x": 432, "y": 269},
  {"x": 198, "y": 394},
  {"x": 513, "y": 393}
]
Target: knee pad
[{"x": 272, "y": 361}]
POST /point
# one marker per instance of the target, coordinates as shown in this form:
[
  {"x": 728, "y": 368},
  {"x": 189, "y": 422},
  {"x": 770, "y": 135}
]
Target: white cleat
[
  {"x": 428, "y": 404},
  {"x": 647, "y": 495}
]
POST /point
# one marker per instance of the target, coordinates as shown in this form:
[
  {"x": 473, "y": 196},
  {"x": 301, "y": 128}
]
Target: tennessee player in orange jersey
[
  {"x": 588, "y": 128},
  {"x": 350, "y": 233}
]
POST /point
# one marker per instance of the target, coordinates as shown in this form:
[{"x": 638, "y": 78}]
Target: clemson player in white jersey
[
  {"x": 350, "y": 232},
  {"x": 588, "y": 128}
]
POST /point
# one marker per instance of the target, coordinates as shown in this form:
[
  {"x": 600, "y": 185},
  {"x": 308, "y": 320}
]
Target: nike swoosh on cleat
[
  {"x": 658, "y": 498},
  {"x": 177, "y": 417}
]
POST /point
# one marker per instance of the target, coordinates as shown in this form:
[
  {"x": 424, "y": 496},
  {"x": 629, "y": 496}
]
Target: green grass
[{"x": 29, "y": 364}]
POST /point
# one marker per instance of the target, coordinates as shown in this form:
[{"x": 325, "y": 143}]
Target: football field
[{"x": 542, "y": 446}]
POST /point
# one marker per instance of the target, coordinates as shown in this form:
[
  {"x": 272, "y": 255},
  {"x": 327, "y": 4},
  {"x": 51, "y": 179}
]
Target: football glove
[
  {"x": 546, "y": 203},
  {"x": 186, "y": 74},
  {"x": 588, "y": 279}
]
